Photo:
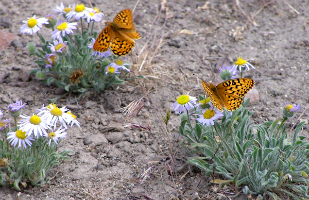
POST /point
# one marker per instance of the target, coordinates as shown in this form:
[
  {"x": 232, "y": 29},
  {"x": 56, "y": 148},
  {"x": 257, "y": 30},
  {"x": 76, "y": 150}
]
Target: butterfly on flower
[
  {"x": 228, "y": 94},
  {"x": 118, "y": 35}
]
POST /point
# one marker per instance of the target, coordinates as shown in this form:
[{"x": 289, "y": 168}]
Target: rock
[
  {"x": 94, "y": 125},
  {"x": 114, "y": 153},
  {"x": 97, "y": 139},
  {"x": 5, "y": 39},
  {"x": 17, "y": 44},
  {"x": 90, "y": 104},
  {"x": 5, "y": 22},
  {"x": 104, "y": 119},
  {"x": 24, "y": 75},
  {"x": 140, "y": 148},
  {"x": 112, "y": 128},
  {"x": 253, "y": 94},
  {"x": 134, "y": 138},
  {"x": 114, "y": 137},
  {"x": 124, "y": 146},
  {"x": 60, "y": 91},
  {"x": 175, "y": 43}
]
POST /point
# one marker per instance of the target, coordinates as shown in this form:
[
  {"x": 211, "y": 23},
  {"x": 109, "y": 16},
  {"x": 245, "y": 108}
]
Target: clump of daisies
[
  {"x": 28, "y": 143},
  {"x": 66, "y": 58},
  {"x": 261, "y": 160}
]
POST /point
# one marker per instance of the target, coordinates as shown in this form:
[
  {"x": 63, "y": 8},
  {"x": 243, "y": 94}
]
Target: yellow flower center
[
  {"x": 21, "y": 134},
  {"x": 62, "y": 26},
  {"x": 205, "y": 101},
  {"x": 111, "y": 69},
  {"x": 59, "y": 46},
  {"x": 51, "y": 60},
  {"x": 2, "y": 123},
  {"x": 36, "y": 120},
  {"x": 91, "y": 14},
  {"x": 51, "y": 106},
  {"x": 56, "y": 112},
  {"x": 32, "y": 22},
  {"x": 240, "y": 61},
  {"x": 119, "y": 62},
  {"x": 96, "y": 10},
  {"x": 74, "y": 116},
  {"x": 79, "y": 8},
  {"x": 183, "y": 99},
  {"x": 208, "y": 114},
  {"x": 67, "y": 9},
  {"x": 52, "y": 134},
  {"x": 289, "y": 107}
]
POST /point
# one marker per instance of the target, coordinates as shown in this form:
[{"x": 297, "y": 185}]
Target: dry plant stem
[
  {"x": 243, "y": 12},
  {"x": 135, "y": 6},
  {"x": 163, "y": 126},
  {"x": 292, "y": 7},
  {"x": 153, "y": 41},
  {"x": 161, "y": 39},
  {"x": 257, "y": 12}
]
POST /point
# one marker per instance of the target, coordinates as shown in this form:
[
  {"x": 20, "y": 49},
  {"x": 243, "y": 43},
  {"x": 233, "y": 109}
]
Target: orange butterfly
[
  {"x": 118, "y": 35},
  {"x": 228, "y": 94}
]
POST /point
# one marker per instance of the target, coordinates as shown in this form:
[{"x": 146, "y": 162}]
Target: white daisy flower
[
  {"x": 70, "y": 118},
  {"x": 203, "y": 104},
  {"x": 58, "y": 46},
  {"x": 34, "y": 124},
  {"x": 98, "y": 53},
  {"x": 52, "y": 114},
  {"x": 63, "y": 28},
  {"x": 51, "y": 60},
  {"x": 94, "y": 15},
  {"x": 1, "y": 114},
  {"x": 79, "y": 11},
  {"x": 209, "y": 116},
  {"x": 55, "y": 135},
  {"x": 63, "y": 10},
  {"x": 19, "y": 137},
  {"x": 241, "y": 64},
  {"x": 112, "y": 69},
  {"x": 184, "y": 102},
  {"x": 33, "y": 25},
  {"x": 120, "y": 65}
]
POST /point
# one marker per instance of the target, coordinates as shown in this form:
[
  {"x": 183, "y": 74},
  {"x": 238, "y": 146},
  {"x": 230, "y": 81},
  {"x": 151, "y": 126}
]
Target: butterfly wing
[
  {"x": 121, "y": 44},
  {"x": 124, "y": 20},
  {"x": 212, "y": 92},
  {"x": 130, "y": 33},
  {"x": 103, "y": 40},
  {"x": 231, "y": 92}
]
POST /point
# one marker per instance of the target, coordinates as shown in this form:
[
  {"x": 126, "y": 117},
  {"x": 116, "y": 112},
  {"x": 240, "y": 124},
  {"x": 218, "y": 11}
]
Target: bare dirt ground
[{"x": 187, "y": 37}]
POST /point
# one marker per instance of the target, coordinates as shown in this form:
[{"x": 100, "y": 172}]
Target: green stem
[
  {"x": 40, "y": 36},
  {"x": 189, "y": 120},
  {"x": 33, "y": 148},
  {"x": 15, "y": 121},
  {"x": 91, "y": 33},
  {"x": 73, "y": 40},
  {"x": 281, "y": 124},
  {"x": 81, "y": 23}
]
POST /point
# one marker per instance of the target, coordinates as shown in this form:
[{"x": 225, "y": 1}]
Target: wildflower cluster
[
  {"x": 30, "y": 146},
  {"x": 204, "y": 111},
  {"x": 258, "y": 160},
  {"x": 68, "y": 60}
]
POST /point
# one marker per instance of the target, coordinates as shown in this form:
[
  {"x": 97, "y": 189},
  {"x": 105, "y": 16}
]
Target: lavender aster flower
[{"x": 15, "y": 108}]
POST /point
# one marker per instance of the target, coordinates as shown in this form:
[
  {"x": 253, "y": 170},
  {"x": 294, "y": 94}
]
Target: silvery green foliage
[
  {"x": 30, "y": 165},
  {"x": 78, "y": 56},
  {"x": 260, "y": 159}
]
